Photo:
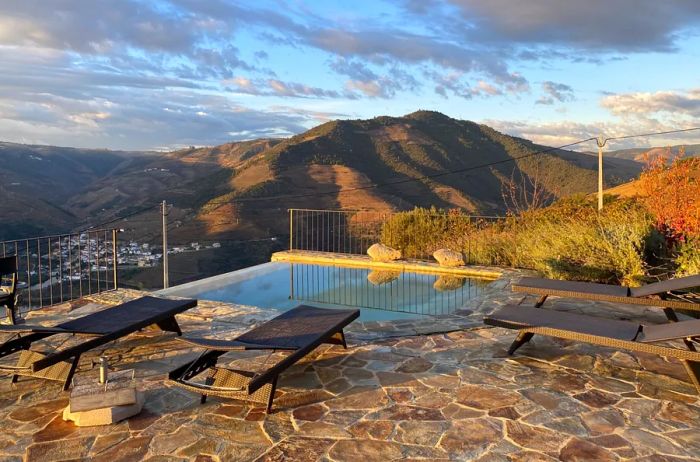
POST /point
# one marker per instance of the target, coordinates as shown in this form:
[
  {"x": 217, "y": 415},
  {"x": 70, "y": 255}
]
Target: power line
[
  {"x": 138, "y": 212},
  {"x": 642, "y": 135},
  {"x": 404, "y": 180}
]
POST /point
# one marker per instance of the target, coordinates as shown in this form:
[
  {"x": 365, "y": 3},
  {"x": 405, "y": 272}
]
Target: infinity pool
[{"x": 381, "y": 294}]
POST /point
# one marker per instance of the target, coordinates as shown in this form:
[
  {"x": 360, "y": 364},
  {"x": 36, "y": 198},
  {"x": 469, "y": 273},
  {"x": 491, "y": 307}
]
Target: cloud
[
  {"x": 642, "y": 104},
  {"x": 365, "y": 81},
  {"x": 555, "y": 92},
  {"x": 568, "y": 131},
  {"x": 104, "y": 72},
  {"x": 593, "y": 25},
  {"x": 276, "y": 87},
  {"x": 455, "y": 83}
]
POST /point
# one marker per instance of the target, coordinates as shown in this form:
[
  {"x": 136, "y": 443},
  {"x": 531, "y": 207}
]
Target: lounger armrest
[
  {"x": 670, "y": 331},
  {"x": 27, "y": 329},
  {"x": 230, "y": 345},
  {"x": 662, "y": 287}
]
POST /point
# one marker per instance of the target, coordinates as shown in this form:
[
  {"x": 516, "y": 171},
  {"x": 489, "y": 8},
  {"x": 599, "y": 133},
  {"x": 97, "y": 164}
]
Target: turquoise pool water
[{"x": 381, "y": 295}]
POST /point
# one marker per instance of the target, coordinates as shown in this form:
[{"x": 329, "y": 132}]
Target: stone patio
[{"x": 437, "y": 390}]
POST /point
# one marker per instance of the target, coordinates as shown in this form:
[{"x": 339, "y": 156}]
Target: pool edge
[{"x": 327, "y": 258}]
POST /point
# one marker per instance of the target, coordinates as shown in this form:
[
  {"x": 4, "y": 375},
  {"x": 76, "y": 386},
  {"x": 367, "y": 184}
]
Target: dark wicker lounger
[
  {"x": 99, "y": 328},
  {"x": 625, "y": 335},
  {"x": 299, "y": 330},
  {"x": 663, "y": 294}
]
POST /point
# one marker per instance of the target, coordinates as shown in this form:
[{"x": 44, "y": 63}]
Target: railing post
[
  {"x": 291, "y": 229},
  {"x": 166, "y": 279},
  {"x": 115, "y": 259}
]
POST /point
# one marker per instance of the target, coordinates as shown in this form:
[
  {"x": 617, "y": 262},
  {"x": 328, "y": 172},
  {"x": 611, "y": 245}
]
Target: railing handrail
[
  {"x": 52, "y": 236},
  {"x": 354, "y": 231},
  {"x": 57, "y": 268},
  {"x": 393, "y": 212}
]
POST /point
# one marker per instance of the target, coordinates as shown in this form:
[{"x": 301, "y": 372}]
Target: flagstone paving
[{"x": 401, "y": 391}]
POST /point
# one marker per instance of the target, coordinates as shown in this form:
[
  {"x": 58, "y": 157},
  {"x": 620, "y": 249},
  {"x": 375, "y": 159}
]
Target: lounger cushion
[
  {"x": 299, "y": 326},
  {"x": 662, "y": 287},
  {"x": 518, "y": 317},
  {"x": 551, "y": 286},
  {"x": 134, "y": 312}
]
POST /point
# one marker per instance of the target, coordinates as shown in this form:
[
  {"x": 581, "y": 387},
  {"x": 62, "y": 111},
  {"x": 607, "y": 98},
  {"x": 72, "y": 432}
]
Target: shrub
[
  {"x": 688, "y": 258},
  {"x": 575, "y": 241},
  {"x": 570, "y": 239},
  {"x": 420, "y": 232},
  {"x": 671, "y": 191}
]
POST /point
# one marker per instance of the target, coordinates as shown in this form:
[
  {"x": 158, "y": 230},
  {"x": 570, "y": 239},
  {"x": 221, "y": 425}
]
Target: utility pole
[
  {"x": 164, "y": 211},
  {"x": 601, "y": 142}
]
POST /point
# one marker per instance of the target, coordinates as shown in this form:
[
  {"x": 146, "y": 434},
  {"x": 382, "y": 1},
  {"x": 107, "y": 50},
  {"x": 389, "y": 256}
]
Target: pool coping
[
  {"x": 465, "y": 317},
  {"x": 412, "y": 266}
]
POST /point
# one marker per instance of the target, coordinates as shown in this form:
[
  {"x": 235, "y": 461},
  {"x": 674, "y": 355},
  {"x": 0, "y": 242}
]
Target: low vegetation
[{"x": 631, "y": 240}]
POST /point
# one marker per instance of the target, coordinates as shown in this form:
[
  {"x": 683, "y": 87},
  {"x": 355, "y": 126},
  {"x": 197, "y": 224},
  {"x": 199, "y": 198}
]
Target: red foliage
[{"x": 671, "y": 191}]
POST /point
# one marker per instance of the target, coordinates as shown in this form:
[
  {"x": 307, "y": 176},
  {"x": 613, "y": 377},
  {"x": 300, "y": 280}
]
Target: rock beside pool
[
  {"x": 381, "y": 252},
  {"x": 447, "y": 257},
  {"x": 378, "y": 278},
  {"x": 447, "y": 283}
]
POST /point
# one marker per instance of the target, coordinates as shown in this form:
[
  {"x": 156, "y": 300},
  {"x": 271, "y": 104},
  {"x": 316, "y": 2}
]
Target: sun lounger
[
  {"x": 664, "y": 294},
  {"x": 8, "y": 294},
  {"x": 623, "y": 335},
  {"x": 95, "y": 329},
  {"x": 299, "y": 331}
]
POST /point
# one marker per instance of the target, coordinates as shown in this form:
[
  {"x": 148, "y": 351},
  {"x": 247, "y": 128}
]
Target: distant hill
[
  {"x": 218, "y": 192},
  {"x": 637, "y": 154}
]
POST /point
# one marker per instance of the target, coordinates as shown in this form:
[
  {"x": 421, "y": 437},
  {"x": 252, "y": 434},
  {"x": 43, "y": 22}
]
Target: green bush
[
  {"x": 575, "y": 241},
  {"x": 570, "y": 239},
  {"x": 688, "y": 258},
  {"x": 420, "y": 232}
]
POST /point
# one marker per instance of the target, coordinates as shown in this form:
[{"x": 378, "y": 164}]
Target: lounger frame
[
  {"x": 689, "y": 358},
  {"x": 668, "y": 302},
  {"x": 8, "y": 267},
  {"x": 245, "y": 385},
  {"x": 61, "y": 365}
]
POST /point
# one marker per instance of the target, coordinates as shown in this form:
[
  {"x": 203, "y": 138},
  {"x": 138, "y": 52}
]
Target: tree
[{"x": 526, "y": 191}]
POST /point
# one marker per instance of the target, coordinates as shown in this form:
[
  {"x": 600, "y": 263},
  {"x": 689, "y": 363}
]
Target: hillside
[
  {"x": 339, "y": 155},
  {"x": 48, "y": 189},
  {"x": 218, "y": 192}
]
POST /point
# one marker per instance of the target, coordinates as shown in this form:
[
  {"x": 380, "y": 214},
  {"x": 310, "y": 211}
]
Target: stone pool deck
[{"x": 438, "y": 390}]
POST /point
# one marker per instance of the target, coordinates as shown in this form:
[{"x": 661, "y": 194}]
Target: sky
[{"x": 162, "y": 74}]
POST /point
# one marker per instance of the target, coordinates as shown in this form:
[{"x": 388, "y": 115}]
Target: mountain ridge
[{"x": 333, "y": 165}]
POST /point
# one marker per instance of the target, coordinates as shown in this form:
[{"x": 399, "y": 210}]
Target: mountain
[
  {"x": 220, "y": 191},
  {"x": 408, "y": 156},
  {"x": 49, "y": 189},
  {"x": 241, "y": 190}
]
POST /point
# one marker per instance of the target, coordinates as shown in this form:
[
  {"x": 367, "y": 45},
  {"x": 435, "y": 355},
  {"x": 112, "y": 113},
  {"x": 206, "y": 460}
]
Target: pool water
[{"x": 381, "y": 294}]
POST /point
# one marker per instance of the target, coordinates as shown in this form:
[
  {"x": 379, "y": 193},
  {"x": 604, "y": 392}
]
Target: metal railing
[
  {"x": 417, "y": 235},
  {"x": 63, "y": 267},
  {"x": 411, "y": 293}
]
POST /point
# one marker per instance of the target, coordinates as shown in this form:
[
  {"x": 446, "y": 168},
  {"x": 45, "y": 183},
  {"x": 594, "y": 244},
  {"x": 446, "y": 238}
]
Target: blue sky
[{"x": 128, "y": 74}]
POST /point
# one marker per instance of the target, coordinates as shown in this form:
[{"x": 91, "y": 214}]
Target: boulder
[
  {"x": 378, "y": 278},
  {"x": 447, "y": 283},
  {"x": 447, "y": 257},
  {"x": 381, "y": 252}
]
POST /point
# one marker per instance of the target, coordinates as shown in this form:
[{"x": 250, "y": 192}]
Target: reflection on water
[
  {"x": 381, "y": 294},
  {"x": 415, "y": 293}
]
